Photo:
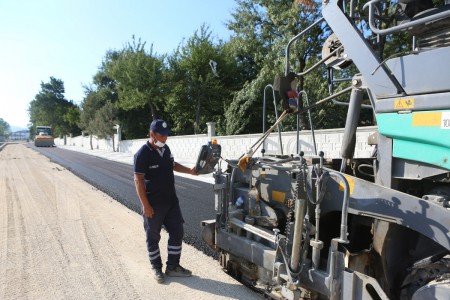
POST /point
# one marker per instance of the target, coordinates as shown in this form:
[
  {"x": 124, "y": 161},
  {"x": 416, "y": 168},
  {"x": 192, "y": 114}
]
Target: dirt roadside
[{"x": 60, "y": 238}]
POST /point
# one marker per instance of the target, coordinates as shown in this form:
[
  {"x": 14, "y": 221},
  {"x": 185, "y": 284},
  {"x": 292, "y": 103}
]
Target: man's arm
[
  {"x": 182, "y": 169},
  {"x": 139, "y": 183}
]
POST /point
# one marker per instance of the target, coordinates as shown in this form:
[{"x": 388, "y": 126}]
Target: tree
[
  {"x": 103, "y": 90},
  {"x": 99, "y": 115},
  {"x": 4, "y": 128},
  {"x": 199, "y": 82},
  {"x": 262, "y": 30},
  {"x": 244, "y": 114},
  {"x": 72, "y": 117},
  {"x": 134, "y": 122},
  {"x": 92, "y": 102},
  {"x": 137, "y": 75},
  {"x": 105, "y": 121},
  {"x": 49, "y": 107}
]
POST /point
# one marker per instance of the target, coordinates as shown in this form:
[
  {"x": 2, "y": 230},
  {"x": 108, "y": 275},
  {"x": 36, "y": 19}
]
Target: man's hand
[
  {"x": 148, "y": 211},
  {"x": 182, "y": 169},
  {"x": 193, "y": 171}
]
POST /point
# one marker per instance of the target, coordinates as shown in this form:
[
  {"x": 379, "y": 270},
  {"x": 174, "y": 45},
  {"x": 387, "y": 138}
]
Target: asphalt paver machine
[{"x": 307, "y": 227}]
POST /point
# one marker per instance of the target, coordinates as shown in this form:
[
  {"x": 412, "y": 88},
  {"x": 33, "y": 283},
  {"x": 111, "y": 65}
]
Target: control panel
[{"x": 208, "y": 157}]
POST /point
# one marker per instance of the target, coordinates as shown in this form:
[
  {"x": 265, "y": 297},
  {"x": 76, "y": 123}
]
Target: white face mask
[{"x": 158, "y": 143}]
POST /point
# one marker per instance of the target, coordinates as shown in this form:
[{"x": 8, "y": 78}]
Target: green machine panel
[{"x": 419, "y": 136}]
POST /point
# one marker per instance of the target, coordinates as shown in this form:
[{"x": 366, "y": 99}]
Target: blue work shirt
[{"x": 158, "y": 173}]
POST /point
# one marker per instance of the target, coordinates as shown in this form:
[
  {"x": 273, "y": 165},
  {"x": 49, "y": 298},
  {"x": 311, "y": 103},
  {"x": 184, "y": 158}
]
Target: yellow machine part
[{"x": 44, "y": 141}]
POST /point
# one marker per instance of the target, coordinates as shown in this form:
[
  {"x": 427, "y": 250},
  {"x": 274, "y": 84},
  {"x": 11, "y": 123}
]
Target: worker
[{"x": 155, "y": 185}]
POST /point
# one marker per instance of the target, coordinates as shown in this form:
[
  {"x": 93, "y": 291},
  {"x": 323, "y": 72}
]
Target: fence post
[{"x": 211, "y": 129}]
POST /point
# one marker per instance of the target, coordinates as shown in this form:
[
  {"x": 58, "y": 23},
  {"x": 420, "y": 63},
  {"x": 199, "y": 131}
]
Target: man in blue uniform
[{"x": 155, "y": 185}]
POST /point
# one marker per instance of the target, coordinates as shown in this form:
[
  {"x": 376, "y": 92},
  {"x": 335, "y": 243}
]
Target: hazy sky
[{"x": 67, "y": 39}]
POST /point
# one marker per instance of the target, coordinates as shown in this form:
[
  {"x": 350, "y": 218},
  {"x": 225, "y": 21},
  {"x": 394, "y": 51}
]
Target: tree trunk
[
  {"x": 114, "y": 147},
  {"x": 152, "y": 109},
  {"x": 197, "y": 115}
]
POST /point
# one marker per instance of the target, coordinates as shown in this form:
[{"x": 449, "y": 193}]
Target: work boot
[
  {"x": 178, "y": 271},
  {"x": 158, "y": 275}
]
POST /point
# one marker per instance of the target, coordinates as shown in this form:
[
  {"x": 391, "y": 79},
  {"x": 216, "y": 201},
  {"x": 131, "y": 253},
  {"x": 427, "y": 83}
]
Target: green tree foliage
[
  {"x": 200, "y": 80},
  {"x": 105, "y": 116},
  {"x": 4, "y": 128},
  {"x": 90, "y": 105},
  {"x": 262, "y": 30},
  {"x": 133, "y": 121},
  {"x": 72, "y": 117},
  {"x": 99, "y": 114},
  {"x": 244, "y": 114},
  {"x": 50, "y": 108},
  {"x": 137, "y": 74},
  {"x": 105, "y": 121}
]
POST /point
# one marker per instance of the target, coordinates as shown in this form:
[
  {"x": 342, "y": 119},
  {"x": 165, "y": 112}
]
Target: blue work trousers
[{"x": 172, "y": 219}]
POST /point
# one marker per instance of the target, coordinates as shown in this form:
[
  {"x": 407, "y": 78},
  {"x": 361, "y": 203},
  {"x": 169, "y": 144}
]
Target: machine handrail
[
  {"x": 400, "y": 27},
  {"x": 320, "y": 62},
  {"x": 276, "y": 115},
  {"x": 296, "y": 38}
]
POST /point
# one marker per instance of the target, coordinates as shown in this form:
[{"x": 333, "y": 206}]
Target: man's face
[{"x": 159, "y": 137}]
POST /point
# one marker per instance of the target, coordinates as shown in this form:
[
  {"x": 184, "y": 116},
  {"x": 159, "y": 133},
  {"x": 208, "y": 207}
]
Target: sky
[{"x": 68, "y": 39}]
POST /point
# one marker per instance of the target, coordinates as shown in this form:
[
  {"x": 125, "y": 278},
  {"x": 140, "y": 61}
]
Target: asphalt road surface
[
  {"x": 61, "y": 238},
  {"x": 116, "y": 179}
]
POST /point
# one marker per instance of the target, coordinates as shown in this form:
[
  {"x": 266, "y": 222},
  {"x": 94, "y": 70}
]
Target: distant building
[{"x": 20, "y": 135}]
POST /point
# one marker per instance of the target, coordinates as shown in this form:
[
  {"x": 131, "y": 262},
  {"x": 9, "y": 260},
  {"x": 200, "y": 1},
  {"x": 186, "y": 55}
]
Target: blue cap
[{"x": 160, "y": 126}]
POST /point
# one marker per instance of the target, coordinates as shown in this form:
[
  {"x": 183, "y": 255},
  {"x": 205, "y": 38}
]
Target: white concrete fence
[{"x": 186, "y": 147}]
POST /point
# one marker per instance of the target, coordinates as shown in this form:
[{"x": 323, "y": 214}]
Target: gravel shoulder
[{"x": 60, "y": 238}]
